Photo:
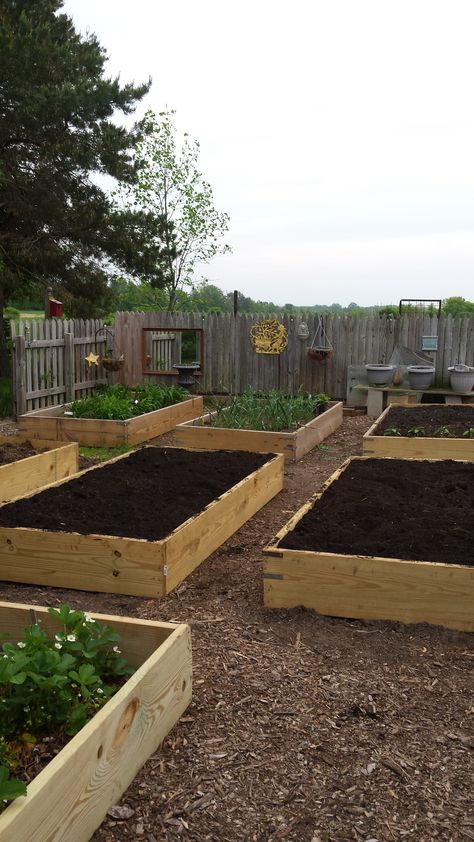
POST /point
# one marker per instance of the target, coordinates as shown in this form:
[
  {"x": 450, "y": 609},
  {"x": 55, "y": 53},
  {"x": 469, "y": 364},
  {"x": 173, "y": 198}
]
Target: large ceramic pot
[
  {"x": 379, "y": 375},
  {"x": 461, "y": 377},
  {"x": 421, "y": 376}
]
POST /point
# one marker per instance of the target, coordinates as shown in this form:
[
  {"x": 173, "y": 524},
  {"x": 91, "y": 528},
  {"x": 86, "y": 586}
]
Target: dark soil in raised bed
[
  {"x": 145, "y": 495},
  {"x": 394, "y": 508},
  {"x": 14, "y": 452},
  {"x": 431, "y": 418}
]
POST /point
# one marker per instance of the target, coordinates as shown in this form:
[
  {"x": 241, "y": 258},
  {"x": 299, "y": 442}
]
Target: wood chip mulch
[{"x": 302, "y": 728}]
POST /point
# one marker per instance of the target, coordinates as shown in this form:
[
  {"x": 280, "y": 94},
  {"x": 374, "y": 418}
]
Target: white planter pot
[
  {"x": 461, "y": 377},
  {"x": 421, "y": 376},
  {"x": 379, "y": 375}
]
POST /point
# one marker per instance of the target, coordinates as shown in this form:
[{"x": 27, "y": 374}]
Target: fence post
[
  {"x": 20, "y": 375},
  {"x": 69, "y": 366}
]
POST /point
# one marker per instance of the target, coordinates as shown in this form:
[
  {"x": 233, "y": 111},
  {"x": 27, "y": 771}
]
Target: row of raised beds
[
  {"x": 378, "y": 542},
  {"x": 138, "y": 524}
]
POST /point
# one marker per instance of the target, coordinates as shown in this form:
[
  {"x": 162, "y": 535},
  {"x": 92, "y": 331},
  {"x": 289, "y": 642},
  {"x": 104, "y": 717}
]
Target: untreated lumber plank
[{"x": 70, "y": 797}]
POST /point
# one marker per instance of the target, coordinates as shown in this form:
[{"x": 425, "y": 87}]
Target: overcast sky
[{"x": 338, "y": 135}]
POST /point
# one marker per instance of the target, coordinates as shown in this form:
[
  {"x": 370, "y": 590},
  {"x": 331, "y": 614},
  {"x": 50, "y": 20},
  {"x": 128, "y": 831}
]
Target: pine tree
[{"x": 58, "y": 227}]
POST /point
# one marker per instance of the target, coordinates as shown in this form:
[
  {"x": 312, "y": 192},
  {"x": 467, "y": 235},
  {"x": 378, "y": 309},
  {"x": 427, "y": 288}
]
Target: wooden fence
[
  {"x": 230, "y": 363},
  {"x": 49, "y": 365}
]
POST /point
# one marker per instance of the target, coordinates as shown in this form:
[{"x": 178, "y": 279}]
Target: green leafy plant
[
  {"x": 266, "y": 411},
  {"x": 50, "y": 686},
  {"x": 392, "y": 431},
  {"x": 417, "y": 431},
  {"x": 10, "y": 788},
  {"x": 118, "y": 403},
  {"x": 469, "y": 433},
  {"x": 442, "y": 432}
]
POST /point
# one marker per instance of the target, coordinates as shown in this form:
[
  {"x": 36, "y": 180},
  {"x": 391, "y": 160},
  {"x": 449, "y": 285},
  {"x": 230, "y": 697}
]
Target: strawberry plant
[{"x": 54, "y": 686}]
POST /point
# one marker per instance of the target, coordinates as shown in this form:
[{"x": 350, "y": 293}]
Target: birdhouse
[{"x": 55, "y": 308}]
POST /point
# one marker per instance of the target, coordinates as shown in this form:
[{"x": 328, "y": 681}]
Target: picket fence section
[
  {"x": 49, "y": 365},
  {"x": 230, "y": 363}
]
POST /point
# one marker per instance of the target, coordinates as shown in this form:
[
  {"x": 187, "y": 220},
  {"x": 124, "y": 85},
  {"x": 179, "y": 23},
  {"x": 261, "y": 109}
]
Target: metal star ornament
[{"x": 92, "y": 359}]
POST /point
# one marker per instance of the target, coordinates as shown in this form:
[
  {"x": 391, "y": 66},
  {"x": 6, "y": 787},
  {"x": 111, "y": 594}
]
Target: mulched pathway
[{"x": 302, "y": 728}]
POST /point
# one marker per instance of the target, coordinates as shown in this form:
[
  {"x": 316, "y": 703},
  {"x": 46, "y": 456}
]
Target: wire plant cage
[{"x": 320, "y": 348}]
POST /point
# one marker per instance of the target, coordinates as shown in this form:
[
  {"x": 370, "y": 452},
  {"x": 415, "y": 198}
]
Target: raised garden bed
[
  {"x": 386, "y": 539},
  {"x": 24, "y": 469},
  {"x": 51, "y": 423},
  {"x": 201, "y": 434},
  {"x": 70, "y": 797},
  {"x": 138, "y": 524},
  {"x": 429, "y": 431}
]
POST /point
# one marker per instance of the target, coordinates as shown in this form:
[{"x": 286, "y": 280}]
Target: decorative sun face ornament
[
  {"x": 269, "y": 337},
  {"x": 92, "y": 359}
]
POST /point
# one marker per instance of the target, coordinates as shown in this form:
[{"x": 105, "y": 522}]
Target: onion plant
[{"x": 267, "y": 411}]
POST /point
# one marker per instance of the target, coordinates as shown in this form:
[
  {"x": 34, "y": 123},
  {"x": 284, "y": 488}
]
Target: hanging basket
[
  {"x": 320, "y": 348},
  {"x": 111, "y": 364},
  {"x": 319, "y": 354}
]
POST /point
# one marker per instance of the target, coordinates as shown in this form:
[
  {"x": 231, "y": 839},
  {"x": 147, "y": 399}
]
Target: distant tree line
[{"x": 208, "y": 298}]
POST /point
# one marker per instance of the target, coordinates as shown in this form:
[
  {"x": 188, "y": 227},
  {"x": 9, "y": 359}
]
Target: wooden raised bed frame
[
  {"x": 367, "y": 587},
  {"x": 69, "y": 798},
  {"x": 134, "y": 566},
  {"x": 417, "y": 447},
  {"x": 50, "y": 423},
  {"x": 293, "y": 445},
  {"x": 18, "y": 478}
]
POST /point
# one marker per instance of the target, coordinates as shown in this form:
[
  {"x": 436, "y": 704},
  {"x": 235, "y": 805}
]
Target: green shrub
[{"x": 6, "y": 397}]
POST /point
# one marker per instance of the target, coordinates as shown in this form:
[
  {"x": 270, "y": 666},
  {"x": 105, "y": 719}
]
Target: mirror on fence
[{"x": 164, "y": 348}]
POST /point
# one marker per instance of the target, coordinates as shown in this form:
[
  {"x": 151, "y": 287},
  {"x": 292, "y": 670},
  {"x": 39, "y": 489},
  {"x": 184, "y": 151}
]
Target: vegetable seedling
[
  {"x": 392, "y": 431},
  {"x": 417, "y": 431}
]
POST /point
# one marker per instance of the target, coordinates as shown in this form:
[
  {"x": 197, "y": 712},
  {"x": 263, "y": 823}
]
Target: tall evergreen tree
[{"x": 58, "y": 227}]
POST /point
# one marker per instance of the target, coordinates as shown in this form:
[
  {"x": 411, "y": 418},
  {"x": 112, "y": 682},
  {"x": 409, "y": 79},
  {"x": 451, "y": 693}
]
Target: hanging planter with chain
[
  {"x": 108, "y": 361},
  {"x": 320, "y": 348}
]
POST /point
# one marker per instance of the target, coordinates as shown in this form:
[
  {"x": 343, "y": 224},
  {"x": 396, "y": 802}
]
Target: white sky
[{"x": 338, "y": 135}]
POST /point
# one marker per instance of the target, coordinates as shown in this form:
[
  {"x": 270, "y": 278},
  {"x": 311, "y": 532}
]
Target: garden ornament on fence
[
  {"x": 269, "y": 337},
  {"x": 108, "y": 361},
  {"x": 320, "y": 348}
]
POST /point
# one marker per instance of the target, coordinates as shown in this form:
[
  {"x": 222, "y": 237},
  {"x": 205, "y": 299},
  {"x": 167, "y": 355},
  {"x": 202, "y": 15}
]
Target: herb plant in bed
[
  {"x": 114, "y": 415},
  {"x": 138, "y": 524},
  {"x": 424, "y": 431},
  {"x": 264, "y": 422},
  {"x": 386, "y": 539},
  {"x": 69, "y": 797}
]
